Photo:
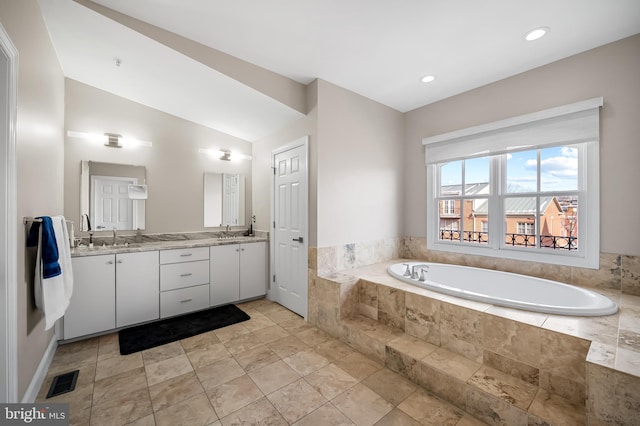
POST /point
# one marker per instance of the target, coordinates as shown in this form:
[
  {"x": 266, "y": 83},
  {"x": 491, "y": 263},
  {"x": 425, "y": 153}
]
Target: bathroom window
[{"x": 525, "y": 189}]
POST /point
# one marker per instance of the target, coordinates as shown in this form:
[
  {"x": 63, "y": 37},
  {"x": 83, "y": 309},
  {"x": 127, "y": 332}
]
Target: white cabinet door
[
  {"x": 224, "y": 278},
  {"x": 253, "y": 270},
  {"x": 137, "y": 287},
  {"x": 93, "y": 304}
]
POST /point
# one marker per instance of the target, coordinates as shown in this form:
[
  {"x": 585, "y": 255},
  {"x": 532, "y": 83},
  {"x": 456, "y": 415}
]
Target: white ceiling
[{"x": 379, "y": 49}]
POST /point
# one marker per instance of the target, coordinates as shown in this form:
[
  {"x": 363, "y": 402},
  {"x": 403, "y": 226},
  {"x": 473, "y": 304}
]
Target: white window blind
[{"x": 574, "y": 123}]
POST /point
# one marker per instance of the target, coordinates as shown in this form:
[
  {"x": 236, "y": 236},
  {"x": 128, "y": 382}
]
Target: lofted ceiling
[{"x": 377, "y": 48}]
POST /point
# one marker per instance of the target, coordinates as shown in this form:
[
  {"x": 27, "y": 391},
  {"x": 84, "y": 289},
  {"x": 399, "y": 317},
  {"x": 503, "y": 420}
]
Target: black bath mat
[{"x": 169, "y": 330}]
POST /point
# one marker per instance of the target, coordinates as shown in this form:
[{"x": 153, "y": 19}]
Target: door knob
[{"x": 300, "y": 239}]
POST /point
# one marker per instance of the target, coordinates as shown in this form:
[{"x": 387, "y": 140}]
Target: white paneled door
[
  {"x": 289, "y": 278},
  {"x": 111, "y": 204}
]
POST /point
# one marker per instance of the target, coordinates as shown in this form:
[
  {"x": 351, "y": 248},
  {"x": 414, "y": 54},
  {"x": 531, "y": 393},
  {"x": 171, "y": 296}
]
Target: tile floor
[{"x": 275, "y": 369}]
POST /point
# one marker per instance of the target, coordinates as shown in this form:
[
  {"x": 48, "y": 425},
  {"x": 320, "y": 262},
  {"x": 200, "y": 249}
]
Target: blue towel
[{"x": 49, "y": 249}]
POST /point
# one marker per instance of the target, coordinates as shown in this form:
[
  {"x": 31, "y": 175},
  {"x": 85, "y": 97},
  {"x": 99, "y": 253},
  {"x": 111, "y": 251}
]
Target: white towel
[{"x": 52, "y": 295}]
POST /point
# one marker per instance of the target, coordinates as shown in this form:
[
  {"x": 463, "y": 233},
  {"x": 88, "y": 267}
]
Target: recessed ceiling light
[
  {"x": 536, "y": 33},
  {"x": 428, "y": 78}
]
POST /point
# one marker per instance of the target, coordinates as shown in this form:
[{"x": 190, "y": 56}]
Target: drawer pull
[
  {"x": 186, "y": 300},
  {"x": 186, "y": 254},
  {"x": 186, "y": 275}
]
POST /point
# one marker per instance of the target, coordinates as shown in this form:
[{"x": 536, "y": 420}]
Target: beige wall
[
  {"x": 40, "y": 151},
  {"x": 263, "y": 174},
  {"x": 175, "y": 168},
  {"x": 360, "y": 170},
  {"x": 610, "y": 71}
]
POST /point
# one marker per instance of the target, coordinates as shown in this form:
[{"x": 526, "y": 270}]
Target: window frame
[{"x": 588, "y": 253}]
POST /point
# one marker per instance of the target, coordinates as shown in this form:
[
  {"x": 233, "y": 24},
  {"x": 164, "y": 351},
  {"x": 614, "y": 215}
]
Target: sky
[{"x": 558, "y": 170}]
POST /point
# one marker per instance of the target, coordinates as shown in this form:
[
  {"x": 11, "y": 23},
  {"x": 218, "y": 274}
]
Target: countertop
[{"x": 126, "y": 244}]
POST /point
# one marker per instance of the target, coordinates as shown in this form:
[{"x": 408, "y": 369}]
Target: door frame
[
  {"x": 272, "y": 293},
  {"x": 8, "y": 222}
]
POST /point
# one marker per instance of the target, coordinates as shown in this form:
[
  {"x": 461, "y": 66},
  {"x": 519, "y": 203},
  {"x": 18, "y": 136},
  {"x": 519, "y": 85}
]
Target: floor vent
[{"x": 63, "y": 383}]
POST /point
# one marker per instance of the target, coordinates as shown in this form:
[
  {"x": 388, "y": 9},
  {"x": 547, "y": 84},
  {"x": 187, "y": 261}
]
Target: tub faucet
[{"x": 414, "y": 272}]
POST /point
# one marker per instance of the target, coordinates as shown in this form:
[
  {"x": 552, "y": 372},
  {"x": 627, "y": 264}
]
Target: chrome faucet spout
[{"x": 114, "y": 236}]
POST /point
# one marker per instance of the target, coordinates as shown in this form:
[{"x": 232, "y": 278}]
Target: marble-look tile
[
  {"x": 162, "y": 352},
  {"x": 295, "y": 325},
  {"x": 70, "y": 361},
  {"x": 242, "y": 343},
  {"x": 630, "y": 319},
  {"x": 514, "y": 368},
  {"x": 167, "y": 369},
  {"x": 556, "y": 410},
  {"x": 260, "y": 412},
  {"x": 333, "y": 349},
  {"x": 273, "y": 376},
  {"x": 306, "y": 361},
  {"x": 148, "y": 420},
  {"x": 430, "y": 410},
  {"x": 358, "y": 365},
  {"x": 469, "y": 420},
  {"x": 80, "y": 345},
  {"x": 456, "y": 365},
  {"x": 207, "y": 355},
  {"x": 230, "y": 332},
  {"x": 442, "y": 384},
  {"x": 398, "y": 417},
  {"x": 296, "y": 400},
  {"x": 494, "y": 410},
  {"x": 327, "y": 260},
  {"x": 600, "y": 329},
  {"x": 330, "y": 381},
  {"x": 257, "y": 357},
  {"x": 391, "y": 386},
  {"x": 602, "y": 354},
  {"x": 362, "y": 405},
  {"x": 287, "y": 346},
  {"x": 346, "y": 257},
  {"x": 86, "y": 375},
  {"x": 405, "y": 359},
  {"x": 79, "y": 400},
  {"x": 233, "y": 395},
  {"x": 108, "y": 367},
  {"x": 514, "y": 340},
  {"x": 199, "y": 409},
  {"x": 219, "y": 372},
  {"x": 271, "y": 333},
  {"x": 629, "y": 340},
  {"x": 615, "y": 399},
  {"x": 462, "y": 331},
  {"x": 174, "y": 390},
  {"x": 123, "y": 409},
  {"x": 630, "y": 275},
  {"x": 608, "y": 276},
  {"x": 312, "y": 336},
  {"x": 111, "y": 387},
  {"x": 200, "y": 341},
  {"x": 391, "y": 306},
  {"x": 563, "y": 355},
  {"x": 628, "y": 361},
  {"x": 368, "y": 294},
  {"x": 422, "y": 318},
  {"x": 258, "y": 321},
  {"x": 325, "y": 415},
  {"x": 505, "y": 387}
]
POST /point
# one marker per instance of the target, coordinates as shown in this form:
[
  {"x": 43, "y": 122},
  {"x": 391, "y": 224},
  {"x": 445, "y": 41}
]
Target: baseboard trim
[{"x": 38, "y": 378}]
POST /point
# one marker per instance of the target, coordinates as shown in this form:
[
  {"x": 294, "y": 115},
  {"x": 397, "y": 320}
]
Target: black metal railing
[{"x": 555, "y": 242}]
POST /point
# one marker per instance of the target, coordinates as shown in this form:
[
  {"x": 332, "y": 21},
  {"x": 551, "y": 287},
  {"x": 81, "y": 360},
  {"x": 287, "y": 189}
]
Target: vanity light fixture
[
  {"x": 224, "y": 154},
  {"x": 112, "y": 140},
  {"x": 536, "y": 33}
]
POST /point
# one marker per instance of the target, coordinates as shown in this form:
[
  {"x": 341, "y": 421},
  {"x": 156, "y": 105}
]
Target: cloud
[{"x": 560, "y": 166}]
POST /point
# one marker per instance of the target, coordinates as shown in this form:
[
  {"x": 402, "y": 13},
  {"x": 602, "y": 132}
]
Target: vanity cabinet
[
  {"x": 137, "y": 282},
  {"x": 112, "y": 290},
  {"x": 184, "y": 281},
  {"x": 92, "y": 308},
  {"x": 238, "y": 272}
]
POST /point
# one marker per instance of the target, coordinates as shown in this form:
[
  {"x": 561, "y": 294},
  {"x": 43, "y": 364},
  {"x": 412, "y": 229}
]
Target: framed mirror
[
  {"x": 224, "y": 199},
  {"x": 112, "y": 196}
]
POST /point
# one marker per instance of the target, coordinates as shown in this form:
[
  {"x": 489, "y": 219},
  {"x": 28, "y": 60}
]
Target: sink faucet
[{"x": 114, "y": 236}]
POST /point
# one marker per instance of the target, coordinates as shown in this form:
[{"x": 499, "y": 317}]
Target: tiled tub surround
[{"x": 501, "y": 365}]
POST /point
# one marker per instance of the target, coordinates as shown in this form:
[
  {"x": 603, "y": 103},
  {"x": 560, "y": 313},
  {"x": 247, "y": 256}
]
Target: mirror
[
  {"x": 224, "y": 202},
  {"x": 112, "y": 196}
]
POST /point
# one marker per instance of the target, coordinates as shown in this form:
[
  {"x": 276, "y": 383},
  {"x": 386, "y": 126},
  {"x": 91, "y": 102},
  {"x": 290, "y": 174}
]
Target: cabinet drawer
[
  {"x": 176, "y": 302},
  {"x": 186, "y": 274},
  {"x": 184, "y": 255}
]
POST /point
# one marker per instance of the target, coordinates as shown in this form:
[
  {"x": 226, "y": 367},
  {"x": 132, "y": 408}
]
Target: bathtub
[{"x": 505, "y": 289}]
